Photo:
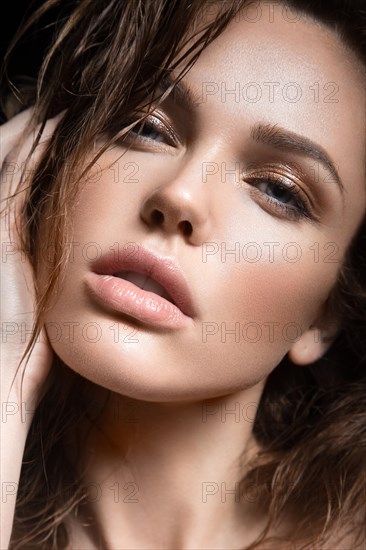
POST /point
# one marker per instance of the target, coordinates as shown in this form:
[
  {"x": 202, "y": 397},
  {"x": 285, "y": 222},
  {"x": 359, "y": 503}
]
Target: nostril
[
  {"x": 186, "y": 228},
  {"x": 157, "y": 217}
]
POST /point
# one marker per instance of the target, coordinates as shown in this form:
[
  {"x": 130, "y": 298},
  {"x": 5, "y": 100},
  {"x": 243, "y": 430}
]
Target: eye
[
  {"x": 278, "y": 192},
  {"x": 153, "y": 131},
  {"x": 280, "y": 195},
  {"x": 146, "y": 130}
]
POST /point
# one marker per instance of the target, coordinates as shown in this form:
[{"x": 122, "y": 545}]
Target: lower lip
[{"x": 125, "y": 297}]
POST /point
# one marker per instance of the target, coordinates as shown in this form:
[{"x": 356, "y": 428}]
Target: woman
[{"x": 195, "y": 222}]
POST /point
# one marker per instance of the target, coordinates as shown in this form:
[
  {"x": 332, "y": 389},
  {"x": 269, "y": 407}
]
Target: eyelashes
[
  {"x": 152, "y": 129},
  {"x": 277, "y": 194}
]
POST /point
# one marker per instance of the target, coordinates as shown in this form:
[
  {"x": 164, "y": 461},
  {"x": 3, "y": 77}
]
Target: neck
[{"x": 160, "y": 475}]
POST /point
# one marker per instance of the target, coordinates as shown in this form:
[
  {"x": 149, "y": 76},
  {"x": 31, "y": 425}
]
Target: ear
[{"x": 314, "y": 342}]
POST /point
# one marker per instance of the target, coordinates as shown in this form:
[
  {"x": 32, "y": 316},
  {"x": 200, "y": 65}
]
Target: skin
[{"x": 173, "y": 379}]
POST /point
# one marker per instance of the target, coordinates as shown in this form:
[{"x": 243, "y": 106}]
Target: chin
[{"x": 152, "y": 367}]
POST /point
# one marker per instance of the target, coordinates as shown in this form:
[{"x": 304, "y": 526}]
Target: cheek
[
  {"x": 280, "y": 292},
  {"x": 262, "y": 308}
]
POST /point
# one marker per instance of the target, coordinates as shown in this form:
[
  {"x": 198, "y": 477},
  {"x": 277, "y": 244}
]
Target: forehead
[
  {"x": 293, "y": 71},
  {"x": 284, "y": 67}
]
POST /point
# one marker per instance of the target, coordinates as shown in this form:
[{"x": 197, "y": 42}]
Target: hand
[
  {"x": 17, "y": 287},
  {"x": 20, "y": 394}
]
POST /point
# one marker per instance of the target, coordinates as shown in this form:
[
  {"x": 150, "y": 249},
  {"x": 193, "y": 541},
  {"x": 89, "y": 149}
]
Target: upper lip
[{"x": 165, "y": 271}]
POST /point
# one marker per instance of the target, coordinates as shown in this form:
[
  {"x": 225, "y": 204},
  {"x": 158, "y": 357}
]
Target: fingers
[
  {"x": 16, "y": 148},
  {"x": 16, "y": 140},
  {"x": 16, "y": 145},
  {"x": 11, "y": 131}
]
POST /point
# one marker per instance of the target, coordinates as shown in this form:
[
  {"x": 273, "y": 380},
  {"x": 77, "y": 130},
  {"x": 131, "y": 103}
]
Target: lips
[
  {"x": 145, "y": 282},
  {"x": 147, "y": 286}
]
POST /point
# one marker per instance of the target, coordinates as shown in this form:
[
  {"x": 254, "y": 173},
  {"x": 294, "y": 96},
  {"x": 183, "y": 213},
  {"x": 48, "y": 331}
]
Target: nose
[{"x": 180, "y": 206}]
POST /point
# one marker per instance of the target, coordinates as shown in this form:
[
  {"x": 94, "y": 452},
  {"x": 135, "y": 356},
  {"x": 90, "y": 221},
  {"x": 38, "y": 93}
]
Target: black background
[{"x": 28, "y": 55}]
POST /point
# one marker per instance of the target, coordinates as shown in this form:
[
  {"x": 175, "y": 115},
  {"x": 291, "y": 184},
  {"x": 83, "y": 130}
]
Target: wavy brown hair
[{"x": 106, "y": 61}]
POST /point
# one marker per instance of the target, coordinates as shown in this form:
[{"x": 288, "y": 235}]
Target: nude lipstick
[{"x": 144, "y": 285}]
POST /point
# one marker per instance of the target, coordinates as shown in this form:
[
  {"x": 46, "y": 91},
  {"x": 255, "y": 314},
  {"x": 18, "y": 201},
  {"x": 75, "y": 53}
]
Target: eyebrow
[
  {"x": 181, "y": 93},
  {"x": 282, "y": 139}
]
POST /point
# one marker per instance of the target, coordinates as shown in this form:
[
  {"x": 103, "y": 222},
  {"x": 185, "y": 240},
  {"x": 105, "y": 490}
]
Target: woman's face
[{"x": 240, "y": 190}]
